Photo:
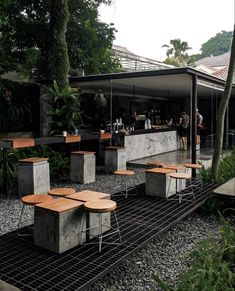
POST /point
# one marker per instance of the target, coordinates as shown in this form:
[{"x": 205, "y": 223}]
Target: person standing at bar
[
  {"x": 199, "y": 127},
  {"x": 183, "y": 129}
]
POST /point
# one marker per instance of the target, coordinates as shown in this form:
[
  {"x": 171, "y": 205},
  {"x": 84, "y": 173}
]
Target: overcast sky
[{"x": 145, "y": 25}]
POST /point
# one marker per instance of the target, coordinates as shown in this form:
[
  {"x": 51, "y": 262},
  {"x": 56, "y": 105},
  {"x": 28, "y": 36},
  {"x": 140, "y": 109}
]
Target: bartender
[{"x": 133, "y": 118}]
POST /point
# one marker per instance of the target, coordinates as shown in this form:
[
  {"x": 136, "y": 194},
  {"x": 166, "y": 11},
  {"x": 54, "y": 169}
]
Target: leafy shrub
[
  {"x": 226, "y": 169},
  {"x": 59, "y": 163},
  {"x": 213, "y": 264},
  {"x": 65, "y": 109}
]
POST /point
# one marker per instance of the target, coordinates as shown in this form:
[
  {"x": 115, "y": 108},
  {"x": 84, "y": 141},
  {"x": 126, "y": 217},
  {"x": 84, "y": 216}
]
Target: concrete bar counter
[{"x": 145, "y": 143}]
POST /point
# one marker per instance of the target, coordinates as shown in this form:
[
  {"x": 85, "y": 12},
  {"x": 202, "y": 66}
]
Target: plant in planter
[{"x": 65, "y": 110}]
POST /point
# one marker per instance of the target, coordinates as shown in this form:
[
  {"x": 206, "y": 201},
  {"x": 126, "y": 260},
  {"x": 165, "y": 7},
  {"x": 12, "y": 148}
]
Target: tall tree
[
  {"x": 177, "y": 50},
  {"x": 221, "y": 111},
  {"x": 217, "y": 45},
  {"x": 25, "y": 37},
  {"x": 58, "y": 53}
]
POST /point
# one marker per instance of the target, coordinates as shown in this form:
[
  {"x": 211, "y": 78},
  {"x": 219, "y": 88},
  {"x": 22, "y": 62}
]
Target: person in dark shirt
[{"x": 183, "y": 128}]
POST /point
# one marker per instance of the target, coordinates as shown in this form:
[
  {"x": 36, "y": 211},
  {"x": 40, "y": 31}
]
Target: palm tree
[
  {"x": 221, "y": 111},
  {"x": 178, "y": 50}
]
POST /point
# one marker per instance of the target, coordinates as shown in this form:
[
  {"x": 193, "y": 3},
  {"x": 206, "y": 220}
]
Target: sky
[{"x": 145, "y": 25}]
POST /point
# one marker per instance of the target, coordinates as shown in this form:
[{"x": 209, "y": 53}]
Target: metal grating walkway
[{"x": 141, "y": 219}]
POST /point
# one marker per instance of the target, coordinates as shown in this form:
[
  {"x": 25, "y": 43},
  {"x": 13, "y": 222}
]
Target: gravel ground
[{"x": 165, "y": 256}]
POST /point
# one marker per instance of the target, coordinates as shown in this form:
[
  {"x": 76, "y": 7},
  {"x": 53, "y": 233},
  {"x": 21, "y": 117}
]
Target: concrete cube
[
  {"x": 115, "y": 159},
  {"x": 33, "y": 176},
  {"x": 92, "y": 219},
  {"x": 82, "y": 167},
  {"x": 157, "y": 183},
  {"x": 57, "y": 225}
]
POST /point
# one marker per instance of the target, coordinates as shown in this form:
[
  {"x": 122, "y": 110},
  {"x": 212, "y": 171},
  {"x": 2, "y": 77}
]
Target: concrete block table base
[
  {"x": 82, "y": 167},
  {"x": 33, "y": 176},
  {"x": 157, "y": 182},
  {"x": 115, "y": 159},
  {"x": 57, "y": 224}
]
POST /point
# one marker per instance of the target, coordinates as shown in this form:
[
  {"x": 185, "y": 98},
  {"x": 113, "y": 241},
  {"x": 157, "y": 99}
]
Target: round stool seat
[
  {"x": 124, "y": 173},
  {"x": 34, "y": 199},
  {"x": 101, "y": 205},
  {"x": 193, "y": 166},
  {"x": 183, "y": 176},
  {"x": 61, "y": 192}
]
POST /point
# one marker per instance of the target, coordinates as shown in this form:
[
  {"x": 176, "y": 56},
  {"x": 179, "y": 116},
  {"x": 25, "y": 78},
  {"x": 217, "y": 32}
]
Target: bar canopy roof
[{"x": 165, "y": 83}]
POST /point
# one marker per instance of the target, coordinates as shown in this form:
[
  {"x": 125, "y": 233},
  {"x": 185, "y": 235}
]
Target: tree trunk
[
  {"x": 221, "y": 111},
  {"x": 58, "y": 56}
]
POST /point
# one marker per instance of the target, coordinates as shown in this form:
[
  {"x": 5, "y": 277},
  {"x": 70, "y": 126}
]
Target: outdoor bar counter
[{"x": 148, "y": 142}]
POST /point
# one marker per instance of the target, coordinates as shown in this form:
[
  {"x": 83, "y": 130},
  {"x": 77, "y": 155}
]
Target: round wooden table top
[
  {"x": 61, "y": 192},
  {"x": 193, "y": 166},
  {"x": 34, "y": 199},
  {"x": 124, "y": 173},
  {"x": 101, "y": 205},
  {"x": 184, "y": 176}
]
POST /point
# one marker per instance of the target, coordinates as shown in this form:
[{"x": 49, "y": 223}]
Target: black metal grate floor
[{"x": 141, "y": 219}]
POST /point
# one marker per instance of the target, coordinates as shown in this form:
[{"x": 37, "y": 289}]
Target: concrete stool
[
  {"x": 61, "y": 192},
  {"x": 178, "y": 169},
  {"x": 181, "y": 177},
  {"x": 57, "y": 224},
  {"x": 92, "y": 218},
  {"x": 196, "y": 167},
  {"x": 115, "y": 159},
  {"x": 99, "y": 207},
  {"x": 157, "y": 181},
  {"x": 82, "y": 167},
  {"x": 31, "y": 200},
  {"x": 33, "y": 176},
  {"x": 124, "y": 181}
]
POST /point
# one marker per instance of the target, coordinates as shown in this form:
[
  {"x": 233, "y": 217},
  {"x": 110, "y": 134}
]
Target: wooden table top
[
  {"x": 154, "y": 163},
  {"x": 101, "y": 205},
  {"x": 20, "y": 142},
  {"x": 60, "y": 205},
  {"x": 82, "y": 153},
  {"x": 173, "y": 167},
  {"x": 160, "y": 171},
  {"x": 124, "y": 173},
  {"x": 87, "y": 195},
  {"x": 61, "y": 191},
  {"x": 33, "y": 199},
  {"x": 33, "y": 160},
  {"x": 184, "y": 176},
  {"x": 193, "y": 166}
]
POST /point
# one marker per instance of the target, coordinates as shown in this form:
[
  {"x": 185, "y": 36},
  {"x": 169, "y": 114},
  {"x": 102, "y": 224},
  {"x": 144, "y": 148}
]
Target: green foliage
[
  {"x": 212, "y": 264},
  {"x": 226, "y": 169},
  {"x": 15, "y": 109},
  {"x": 59, "y": 162},
  {"x": 172, "y": 61},
  {"x": 217, "y": 45},
  {"x": 65, "y": 109},
  {"x": 25, "y": 38},
  {"x": 178, "y": 50}
]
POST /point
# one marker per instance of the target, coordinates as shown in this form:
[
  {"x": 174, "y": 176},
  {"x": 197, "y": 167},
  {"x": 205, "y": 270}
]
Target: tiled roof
[
  {"x": 222, "y": 73},
  {"x": 215, "y": 61}
]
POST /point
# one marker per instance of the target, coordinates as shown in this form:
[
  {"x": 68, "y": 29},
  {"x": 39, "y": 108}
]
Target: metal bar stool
[
  {"x": 124, "y": 181},
  {"x": 181, "y": 193},
  {"x": 31, "y": 200},
  {"x": 61, "y": 192},
  {"x": 194, "y": 181},
  {"x": 102, "y": 206}
]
